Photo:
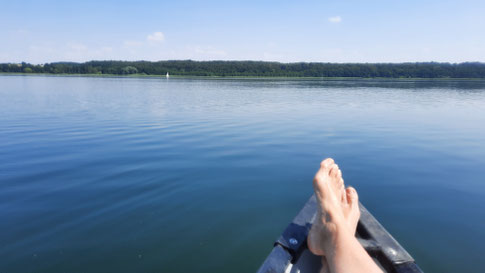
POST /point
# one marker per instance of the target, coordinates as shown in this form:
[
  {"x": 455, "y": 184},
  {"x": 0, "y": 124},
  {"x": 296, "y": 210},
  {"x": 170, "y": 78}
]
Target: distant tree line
[{"x": 257, "y": 68}]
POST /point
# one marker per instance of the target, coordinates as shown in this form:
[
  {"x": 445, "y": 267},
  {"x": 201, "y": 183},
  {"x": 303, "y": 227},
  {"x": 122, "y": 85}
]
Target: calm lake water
[{"x": 202, "y": 175}]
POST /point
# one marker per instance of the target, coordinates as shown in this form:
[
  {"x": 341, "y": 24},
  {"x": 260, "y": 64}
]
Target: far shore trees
[{"x": 256, "y": 69}]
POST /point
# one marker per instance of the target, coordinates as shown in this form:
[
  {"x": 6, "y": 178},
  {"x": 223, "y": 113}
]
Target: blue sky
[{"x": 286, "y": 31}]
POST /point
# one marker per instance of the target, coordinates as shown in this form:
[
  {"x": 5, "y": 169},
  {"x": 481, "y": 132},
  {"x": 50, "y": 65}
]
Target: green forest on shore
[{"x": 255, "y": 69}]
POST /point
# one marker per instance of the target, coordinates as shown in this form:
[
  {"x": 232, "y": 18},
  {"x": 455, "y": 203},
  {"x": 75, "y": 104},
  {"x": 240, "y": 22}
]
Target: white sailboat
[{"x": 167, "y": 76}]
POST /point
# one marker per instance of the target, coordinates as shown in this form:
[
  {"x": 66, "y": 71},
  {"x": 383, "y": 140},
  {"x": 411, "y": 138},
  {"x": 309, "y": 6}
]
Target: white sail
[{"x": 167, "y": 75}]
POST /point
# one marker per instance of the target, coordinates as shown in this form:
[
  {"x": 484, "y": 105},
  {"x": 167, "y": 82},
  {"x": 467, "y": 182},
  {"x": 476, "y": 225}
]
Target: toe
[
  {"x": 352, "y": 197},
  {"x": 343, "y": 196},
  {"x": 334, "y": 171},
  {"x": 324, "y": 171},
  {"x": 326, "y": 163},
  {"x": 342, "y": 189}
]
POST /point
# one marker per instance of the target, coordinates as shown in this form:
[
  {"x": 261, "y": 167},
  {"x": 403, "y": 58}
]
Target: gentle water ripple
[{"x": 129, "y": 174}]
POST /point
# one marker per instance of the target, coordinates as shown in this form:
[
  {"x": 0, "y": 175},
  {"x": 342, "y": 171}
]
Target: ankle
[{"x": 337, "y": 236}]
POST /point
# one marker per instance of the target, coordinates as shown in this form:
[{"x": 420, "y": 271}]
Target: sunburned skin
[{"x": 333, "y": 232}]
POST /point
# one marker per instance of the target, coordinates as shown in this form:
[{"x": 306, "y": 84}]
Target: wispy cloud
[
  {"x": 335, "y": 19},
  {"x": 156, "y": 37}
]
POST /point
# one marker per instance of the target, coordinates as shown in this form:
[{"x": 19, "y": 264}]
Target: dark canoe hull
[{"x": 290, "y": 252}]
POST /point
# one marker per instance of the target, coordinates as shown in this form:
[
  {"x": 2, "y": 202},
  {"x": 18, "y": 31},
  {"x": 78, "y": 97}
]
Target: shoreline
[{"x": 141, "y": 76}]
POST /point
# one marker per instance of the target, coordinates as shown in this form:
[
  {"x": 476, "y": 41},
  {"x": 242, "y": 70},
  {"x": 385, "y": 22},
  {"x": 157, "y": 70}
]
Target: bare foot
[
  {"x": 336, "y": 206},
  {"x": 332, "y": 233},
  {"x": 351, "y": 214}
]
